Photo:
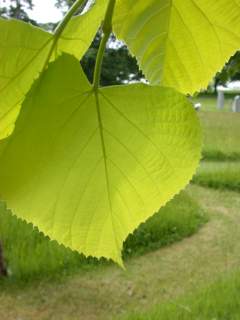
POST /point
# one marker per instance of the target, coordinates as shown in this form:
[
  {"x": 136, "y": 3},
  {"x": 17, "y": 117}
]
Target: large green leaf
[
  {"x": 24, "y": 52},
  {"x": 179, "y": 43},
  {"x": 88, "y": 168}
]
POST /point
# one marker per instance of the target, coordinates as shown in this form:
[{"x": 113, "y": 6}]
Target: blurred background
[{"x": 182, "y": 263}]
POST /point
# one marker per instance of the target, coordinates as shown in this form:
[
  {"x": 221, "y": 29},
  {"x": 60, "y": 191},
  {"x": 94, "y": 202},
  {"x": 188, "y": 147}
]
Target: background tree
[
  {"x": 230, "y": 72},
  {"x": 118, "y": 65},
  {"x": 63, "y": 4},
  {"x": 17, "y": 9}
]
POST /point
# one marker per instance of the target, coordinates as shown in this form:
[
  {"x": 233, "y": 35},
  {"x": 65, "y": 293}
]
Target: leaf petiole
[
  {"x": 62, "y": 25},
  {"x": 106, "y": 29}
]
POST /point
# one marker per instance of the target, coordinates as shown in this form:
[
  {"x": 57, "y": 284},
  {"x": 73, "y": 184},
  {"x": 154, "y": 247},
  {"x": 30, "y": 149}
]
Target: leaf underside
[
  {"x": 87, "y": 168},
  {"x": 181, "y": 44},
  {"x": 24, "y": 51}
]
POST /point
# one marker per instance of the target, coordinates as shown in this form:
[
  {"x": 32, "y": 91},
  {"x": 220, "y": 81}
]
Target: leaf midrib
[{"x": 103, "y": 147}]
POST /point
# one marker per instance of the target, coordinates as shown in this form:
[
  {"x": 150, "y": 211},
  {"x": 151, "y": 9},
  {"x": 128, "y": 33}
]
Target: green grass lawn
[
  {"x": 220, "y": 175},
  {"x": 221, "y": 132},
  {"x": 209, "y": 102},
  {"x": 219, "y": 301},
  {"x": 29, "y": 254},
  {"x": 221, "y": 147},
  {"x": 221, "y": 129}
]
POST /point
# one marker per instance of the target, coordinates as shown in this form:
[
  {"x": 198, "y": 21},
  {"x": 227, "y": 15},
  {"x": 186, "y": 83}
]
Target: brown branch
[{"x": 3, "y": 269}]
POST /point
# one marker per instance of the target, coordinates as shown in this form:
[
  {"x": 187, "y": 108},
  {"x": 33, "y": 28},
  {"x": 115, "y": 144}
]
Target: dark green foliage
[
  {"x": 231, "y": 70},
  {"x": 64, "y": 3},
  {"x": 118, "y": 65}
]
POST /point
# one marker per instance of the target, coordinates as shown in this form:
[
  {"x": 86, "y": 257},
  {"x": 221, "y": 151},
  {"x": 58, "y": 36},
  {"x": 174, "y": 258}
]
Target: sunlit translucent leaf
[
  {"x": 88, "y": 169},
  {"x": 24, "y": 51},
  {"x": 180, "y": 43}
]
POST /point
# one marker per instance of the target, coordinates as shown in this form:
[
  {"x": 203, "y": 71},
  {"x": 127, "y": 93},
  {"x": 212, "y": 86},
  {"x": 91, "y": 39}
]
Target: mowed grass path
[
  {"x": 108, "y": 293},
  {"x": 218, "y": 301}
]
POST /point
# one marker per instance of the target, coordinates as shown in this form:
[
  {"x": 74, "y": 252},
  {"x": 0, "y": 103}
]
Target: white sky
[{"x": 44, "y": 11}]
